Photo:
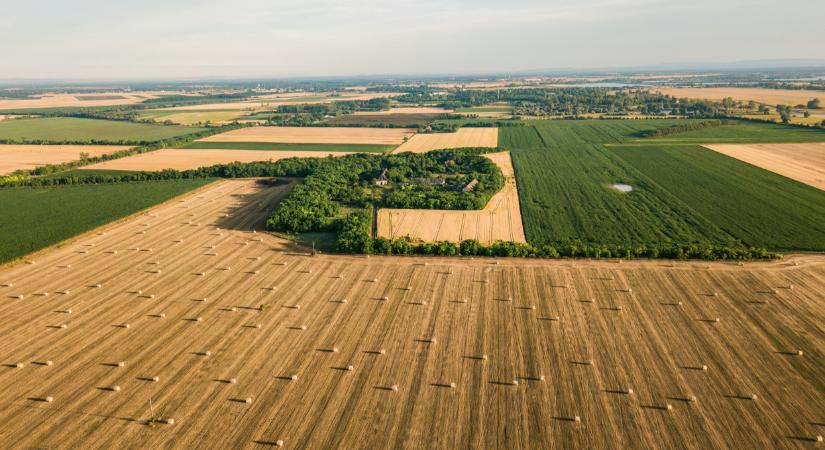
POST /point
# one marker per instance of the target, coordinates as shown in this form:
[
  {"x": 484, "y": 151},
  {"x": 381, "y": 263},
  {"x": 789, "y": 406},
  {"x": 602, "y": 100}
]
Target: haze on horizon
[{"x": 99, "y": 39}]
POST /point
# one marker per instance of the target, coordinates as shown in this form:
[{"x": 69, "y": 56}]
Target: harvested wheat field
[
  {"x": 314, "y": 135},
  {"x": 160, "y": 316},
  {"x": 168, "y": 158},
  {"x": 26, "y": 157},
  {"x": 69, "y": 100},
  {"x": 761, "y": 95},
  {"x": 464, "y": 137},
  {"x": 802, "y": 162},
  {"x": 270, "y": 102},
  {"x": 500, "y": 220}
]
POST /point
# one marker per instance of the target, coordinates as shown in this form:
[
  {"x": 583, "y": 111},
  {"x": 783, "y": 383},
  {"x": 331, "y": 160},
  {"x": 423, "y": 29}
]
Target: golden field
[
  {"x": 27, "y": 157},
  {"x": 314, "y": 135},
  {"x": 169, "y": 158},
  {"x": 771, "y": 97},
  {"x": 396, "y": 352},
  {"x": 464, "y": 137}
]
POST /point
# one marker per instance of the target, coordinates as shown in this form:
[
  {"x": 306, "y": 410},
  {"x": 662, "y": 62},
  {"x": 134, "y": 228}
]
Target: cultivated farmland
[
  {"x": 265, "y": 102},
  {"x": 314, "y": 135},
  {"x": 413, "y": 110},
  {"x": 801, "y": 162},
  {"x": 761, "y": 95},
  {"x": 464, "y": 137},
  {"x": 353, "y": 148},
  {"x": 34, "y": 218},
  {"x": 758, "y": 207},
  {"x": 191, "y": 117},
  {"x": 500, "y": 220},
  {"x": 27, "y": 157},
  {"x": 77, "y": 100},
  {"x": 565, "y": 176},
  {"x": 399, "y": 120},
  {"x": 565, "y": 170},
  {"x": 178, "y": 159},
  {"x": 163, "y": 319},
  {"x": 63, "y": 129}
]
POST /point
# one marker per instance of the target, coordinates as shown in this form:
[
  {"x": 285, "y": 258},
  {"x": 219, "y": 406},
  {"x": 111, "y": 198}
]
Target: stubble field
[
  {"x": 772, "y": 97},
  {"x": 270, "y": 102},
  {"x": 444, "y": 353},
  {"x": 500, "y": 220},
  {"x": 314, "y": 135},
  {"x": 179, "y": 159},
  {"x": 27, "y": 157},
  {"x": 72, "y": 100},
  {"x": 464, "y": 137}
]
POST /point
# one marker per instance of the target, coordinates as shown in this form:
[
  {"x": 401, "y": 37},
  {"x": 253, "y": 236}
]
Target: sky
[{"x": 171, "y": 39}]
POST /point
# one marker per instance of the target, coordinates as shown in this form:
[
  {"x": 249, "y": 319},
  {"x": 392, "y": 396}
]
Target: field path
[{"x": 576, "y": 336}]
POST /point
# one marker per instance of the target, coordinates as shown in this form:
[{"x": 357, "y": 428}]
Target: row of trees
[
  {"x": 357, "y": 240},
  {"x": 681, "y": 128}
]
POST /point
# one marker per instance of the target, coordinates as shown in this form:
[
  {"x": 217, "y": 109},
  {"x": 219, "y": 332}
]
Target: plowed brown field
[
  {"x": 500, "y": 220},
  {"x": 418, "y": 324}
]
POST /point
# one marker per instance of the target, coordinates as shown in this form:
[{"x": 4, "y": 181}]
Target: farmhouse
[
  {"x": 382, "y": 179},
  {"x": 470, "y": 186}
]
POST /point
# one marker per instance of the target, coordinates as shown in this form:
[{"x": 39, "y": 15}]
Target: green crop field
[
  {"x": 360, "y": 148},
  {"x": 739, "y": 132},
  {"x": 63, "y": 129},
  {"x": 35, "y": 218},
  {"x": 565, "y": 170},
  {"x": 758, "y": 207}
]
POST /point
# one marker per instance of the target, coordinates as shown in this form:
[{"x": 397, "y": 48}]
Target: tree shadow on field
[{"x": 251, "y": 210}]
